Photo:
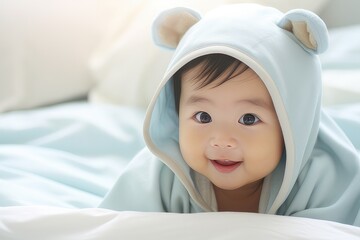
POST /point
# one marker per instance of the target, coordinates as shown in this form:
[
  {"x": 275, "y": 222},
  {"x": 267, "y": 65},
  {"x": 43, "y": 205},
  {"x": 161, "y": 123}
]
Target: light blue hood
[{"x": 319, "y": 175}]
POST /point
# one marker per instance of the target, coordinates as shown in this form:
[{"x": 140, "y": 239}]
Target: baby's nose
[{"x": 226, "y": 142}]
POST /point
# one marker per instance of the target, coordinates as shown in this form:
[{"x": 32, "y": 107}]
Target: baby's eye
[
  {"x": 249, "y": 119},
  {"x": 202, "y": 117}
]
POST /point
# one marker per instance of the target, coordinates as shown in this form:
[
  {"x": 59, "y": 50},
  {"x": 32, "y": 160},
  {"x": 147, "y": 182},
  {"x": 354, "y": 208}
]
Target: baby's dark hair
[{"x": 213, "y": 66}]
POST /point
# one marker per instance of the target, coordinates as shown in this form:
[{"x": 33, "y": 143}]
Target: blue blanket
[
  {"x": 70, "y": 155},
  {"x": 67, "y": 155}
]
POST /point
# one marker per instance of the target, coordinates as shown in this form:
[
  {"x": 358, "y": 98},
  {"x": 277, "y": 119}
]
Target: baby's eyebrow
[
  {"x": 254, "y": 101},
  {"x": 257, "y": 101},
  {"x": 196, "y": 99}
]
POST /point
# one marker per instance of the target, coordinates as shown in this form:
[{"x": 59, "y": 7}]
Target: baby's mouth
[
  {"x": 225, "y": 162},
  {"x": 225, "y": 166}
]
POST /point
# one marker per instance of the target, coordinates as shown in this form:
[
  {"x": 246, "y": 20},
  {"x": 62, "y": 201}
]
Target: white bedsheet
[{"x": 60, "y": 223}]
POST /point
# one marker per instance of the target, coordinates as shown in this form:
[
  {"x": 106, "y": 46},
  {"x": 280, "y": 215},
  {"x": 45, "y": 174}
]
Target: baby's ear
[
  {"x": 170, "y": 25},
  {"x": 308, "y": 28}
]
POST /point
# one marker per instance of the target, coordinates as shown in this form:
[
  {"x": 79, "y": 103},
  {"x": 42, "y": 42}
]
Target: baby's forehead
[{"x": 199, "y": 74}]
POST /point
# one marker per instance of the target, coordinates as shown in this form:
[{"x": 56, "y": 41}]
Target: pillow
[
  {"x": 127, "y": 66},
  {"x": 45, "y": 46}
]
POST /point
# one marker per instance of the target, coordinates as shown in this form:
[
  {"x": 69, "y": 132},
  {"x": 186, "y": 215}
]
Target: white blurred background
[{"x": 53, "y": 51}]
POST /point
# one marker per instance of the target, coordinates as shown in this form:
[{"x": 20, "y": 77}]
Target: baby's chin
[
  {"x": 227, "y": 187},
  {"x": 247, "y": 186}
]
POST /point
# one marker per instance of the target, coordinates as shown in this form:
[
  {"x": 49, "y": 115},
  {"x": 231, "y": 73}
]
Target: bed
[
  {"x": 58, "y": 162},
  {"x": 68, "y": 127}
]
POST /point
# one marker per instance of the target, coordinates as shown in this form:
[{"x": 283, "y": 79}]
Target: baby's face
[{"x": 229, "y": 133}]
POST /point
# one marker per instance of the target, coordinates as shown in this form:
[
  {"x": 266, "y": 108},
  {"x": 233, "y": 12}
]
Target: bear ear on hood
[
  {"x": 170, "y": 25},
  {"x": 308, "y": 28}
]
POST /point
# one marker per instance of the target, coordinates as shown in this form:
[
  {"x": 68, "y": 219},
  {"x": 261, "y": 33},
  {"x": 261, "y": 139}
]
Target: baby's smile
[{"x": 225, "y": 166}]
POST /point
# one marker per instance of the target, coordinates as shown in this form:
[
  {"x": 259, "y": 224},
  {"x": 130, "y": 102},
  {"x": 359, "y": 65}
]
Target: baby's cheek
[
  {"x": 270, "y": 151},
  {"x": 186, "y": 140},
  {"x": 191, "y": 147}
]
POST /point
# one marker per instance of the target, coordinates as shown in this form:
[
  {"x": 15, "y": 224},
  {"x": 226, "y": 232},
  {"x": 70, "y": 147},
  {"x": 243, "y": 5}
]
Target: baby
[{"x": 237, "y": 124}]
